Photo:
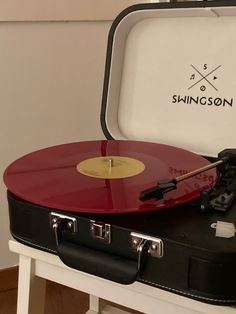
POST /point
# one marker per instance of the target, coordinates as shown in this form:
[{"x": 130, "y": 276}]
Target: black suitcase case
[{"x": 176, "y": 248}]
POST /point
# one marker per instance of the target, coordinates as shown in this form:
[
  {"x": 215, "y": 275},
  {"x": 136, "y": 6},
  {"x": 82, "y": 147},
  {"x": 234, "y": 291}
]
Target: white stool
[{"x": 36, "y": 266}]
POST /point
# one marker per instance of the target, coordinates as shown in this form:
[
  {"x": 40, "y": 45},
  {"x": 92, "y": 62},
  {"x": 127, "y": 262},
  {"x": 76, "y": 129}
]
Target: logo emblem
[{"x": 204, "y": 79}]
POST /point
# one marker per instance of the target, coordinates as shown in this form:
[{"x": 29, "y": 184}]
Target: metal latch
[
  {"x": 154, "y": 245},
  {"x": 100, "y": 231},
  {"x": 69, "y": 223}
]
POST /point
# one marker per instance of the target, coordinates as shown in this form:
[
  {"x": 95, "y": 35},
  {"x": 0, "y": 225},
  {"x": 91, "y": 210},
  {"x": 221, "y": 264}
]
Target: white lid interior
[{"x": 155, "y": 54}]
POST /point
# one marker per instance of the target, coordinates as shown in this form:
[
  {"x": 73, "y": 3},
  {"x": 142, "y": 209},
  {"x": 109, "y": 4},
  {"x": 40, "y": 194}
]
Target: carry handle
[{"x": 98, "y": 263}]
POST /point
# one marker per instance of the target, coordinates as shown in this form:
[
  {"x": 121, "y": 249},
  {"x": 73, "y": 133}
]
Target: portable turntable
[{"x": 155, "y": 202}]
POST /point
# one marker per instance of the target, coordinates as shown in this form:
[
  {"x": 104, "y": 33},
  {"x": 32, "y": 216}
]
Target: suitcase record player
[{"x": 155, "y": 201}]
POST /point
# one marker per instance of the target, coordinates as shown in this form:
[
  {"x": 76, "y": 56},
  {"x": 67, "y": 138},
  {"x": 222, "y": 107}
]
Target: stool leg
[
  {"x": 98, "y": 306},
  {"x": 94, "y": 305},
  {"x": 31, "y": 289}
]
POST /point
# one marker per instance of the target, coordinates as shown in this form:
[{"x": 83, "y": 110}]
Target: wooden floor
[{"x": 59, "y": 300}]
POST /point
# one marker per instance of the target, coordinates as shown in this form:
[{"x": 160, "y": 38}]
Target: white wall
[{"x": 51, "y": 77}]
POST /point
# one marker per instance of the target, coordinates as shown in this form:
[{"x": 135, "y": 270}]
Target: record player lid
[
  {"x": 170, "y": 77},
  {"x": 54, "y": 178}
]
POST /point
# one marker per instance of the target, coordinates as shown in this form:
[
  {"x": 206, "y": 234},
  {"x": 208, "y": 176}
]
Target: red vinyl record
[{"x": 62, "y": 177}]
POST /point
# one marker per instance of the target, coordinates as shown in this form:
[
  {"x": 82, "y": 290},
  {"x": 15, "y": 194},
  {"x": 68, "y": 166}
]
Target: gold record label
[{"x": 110, "y": 167}]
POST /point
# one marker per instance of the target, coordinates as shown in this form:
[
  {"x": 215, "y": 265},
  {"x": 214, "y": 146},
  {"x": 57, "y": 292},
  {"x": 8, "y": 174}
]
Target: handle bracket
[
  {"x": 56, "y": 221},
  {"x": 155, "y": 245}
]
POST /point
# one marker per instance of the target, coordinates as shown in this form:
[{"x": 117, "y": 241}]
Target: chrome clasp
[{"x": 101, "y": 231}]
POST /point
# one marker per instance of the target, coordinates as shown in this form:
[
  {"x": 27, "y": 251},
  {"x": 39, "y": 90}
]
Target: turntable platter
[{"x": 69, "y": 177}]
